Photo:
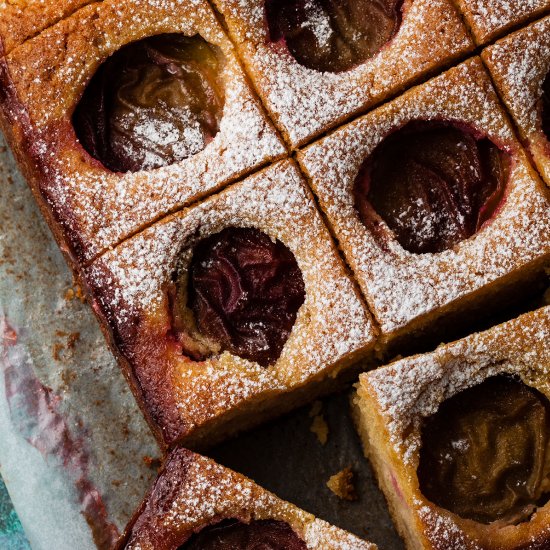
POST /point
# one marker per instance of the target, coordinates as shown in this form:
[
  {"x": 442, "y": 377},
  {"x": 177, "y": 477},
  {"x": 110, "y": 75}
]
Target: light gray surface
[{"x": 91, "y": 404}]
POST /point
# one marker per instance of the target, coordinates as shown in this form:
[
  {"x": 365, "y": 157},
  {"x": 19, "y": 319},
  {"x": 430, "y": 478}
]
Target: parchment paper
[{"x": 74, "y": 448}]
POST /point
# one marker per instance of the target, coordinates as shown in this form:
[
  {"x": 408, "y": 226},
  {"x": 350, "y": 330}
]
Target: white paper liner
[{"x": 74, "y": 448}]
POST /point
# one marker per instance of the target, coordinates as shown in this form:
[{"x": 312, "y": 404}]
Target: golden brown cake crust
[
  {"x": 305, "y": 103},
  {"x": 24, "y": 19},
  {"x": 407, "y": 290},
  {"x": 193, "y": 492},
  {"x": 392, "y": 402},
  {"x": 491, "y": 18},
  {"x": 94, "y": 207},
  {"x": 519, "y": 64},
  {"x": 189, "y": 399}
]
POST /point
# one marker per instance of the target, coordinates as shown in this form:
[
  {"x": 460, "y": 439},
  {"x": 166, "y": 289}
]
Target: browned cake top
[{"x": 196, "y": 501}]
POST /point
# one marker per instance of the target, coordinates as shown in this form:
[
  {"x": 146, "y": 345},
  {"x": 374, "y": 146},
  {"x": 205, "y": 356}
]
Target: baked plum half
[
  {"x": 333, "y": 35},
  {"x": 153, "y": 103},
  {"x": 485, "y": 453},
  {"x": 233, "y": 534},
  {"x": 241, "y": 293},
  {"x": 433, "y": 184}
]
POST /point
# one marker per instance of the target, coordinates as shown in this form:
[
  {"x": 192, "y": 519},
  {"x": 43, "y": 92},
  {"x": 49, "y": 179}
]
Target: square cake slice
[
  {"x": 488, "y": 19},
  {"x": 460, "y": 217},
  {"x": 196, "y": 504},
  {"x": 316, "y": 63},
  {"x": 520, "y": 66},
  {"x": 460, "y": 439},
  {"x": 24, "y": 19},
  {"x": 232, "y": 310},
  {"x": 127, "y": 111}
]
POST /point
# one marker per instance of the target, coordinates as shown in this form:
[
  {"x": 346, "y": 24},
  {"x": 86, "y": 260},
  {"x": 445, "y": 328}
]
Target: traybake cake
[
  {"x": 172, "y": 146},
  {"x": 460, "y": 439},
  {"x": 520, "y": 67},
  {"x": 412, "y": 263},
  {"x": 196, "y": 504},
  {"x": 488, "y": 19},
  {"x": 298, "y": 55},
  {"x": 23, "y": 19},
  {"x": 232, "y": 309},
  {"x": 131, "y": 110}
]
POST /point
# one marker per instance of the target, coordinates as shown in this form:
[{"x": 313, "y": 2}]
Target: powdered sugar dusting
[
  {"x": 444, "y": 531},
  {"x": 101, "y": 208},
  {"x": 22, "y": 19},
  {"x": 519, "y": 64},
  {"x": 489, "y": 17},
  {"x": 292, "y": 91},
  {"x": 401, "y": 286},
  {"x": 332, "y": 325},
  {"x": 193, "y": 492},
  {"x": 522, "y": 60},
  {"x": 158, "y": 134},
  {"x": 406, "y": 392},
  {"x": 318, "y": 22},
  {"x": 273, "y": 200},
  {"x": 412, "y": 389},
  {"x": 319, "y": 534}
]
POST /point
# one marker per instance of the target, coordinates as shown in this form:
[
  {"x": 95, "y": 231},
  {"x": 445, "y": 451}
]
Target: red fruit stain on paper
[{"x": 34, "y": 411}]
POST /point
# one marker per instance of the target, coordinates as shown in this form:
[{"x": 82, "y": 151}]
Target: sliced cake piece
[
  {"x": 460, "y": 439},
  {"x": 433, "y": 202},
  {"x": 127, "y": 111},
  {"x": 520, "y": 67},
  {"x": 315, "y": 63},
  {"x": 196, "y": 504},
  {"x": 232, "y": 310},
  {"x": 491, "y": 18}
]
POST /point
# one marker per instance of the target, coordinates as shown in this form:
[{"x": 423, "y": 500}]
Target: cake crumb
[
  {"x": 59, "y": 349},
  {"x": 319, "y": 425},
  {"x": 151, "y": 462},
  {"x": 341, "y": 484},
  {"x": 75, "y": 292}
]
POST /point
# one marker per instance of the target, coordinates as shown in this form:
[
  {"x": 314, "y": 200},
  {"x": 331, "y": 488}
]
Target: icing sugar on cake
[
  {"x": 519, "y": 64},
  {"x": 290, "y": 90},
  {"x": 523, "y": 59},
  {"x": 332, "y": 328},
  {"x": 193, "y": 492},
  {"x": 413, "y": 388},
  {"x": 97, "y": 208},
  {"x": 488, "y": 18},
  {"x": 401, "y": 286}
]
